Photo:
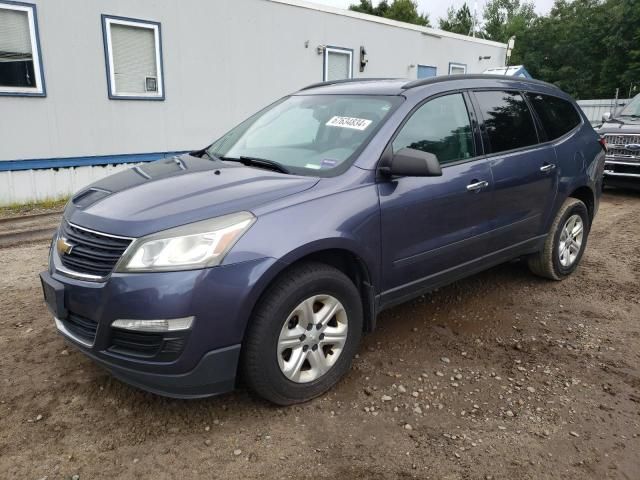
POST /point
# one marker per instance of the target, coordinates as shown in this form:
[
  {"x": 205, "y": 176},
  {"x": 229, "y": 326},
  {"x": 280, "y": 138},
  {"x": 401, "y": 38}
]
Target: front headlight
[{"x": 196, "y": 245}]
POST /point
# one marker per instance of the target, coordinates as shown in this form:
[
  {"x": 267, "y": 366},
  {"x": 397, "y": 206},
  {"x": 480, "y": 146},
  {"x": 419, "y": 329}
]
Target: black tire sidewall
[
  {"x": 580, "y": 209},
  {"x": 273, "y": 315}
]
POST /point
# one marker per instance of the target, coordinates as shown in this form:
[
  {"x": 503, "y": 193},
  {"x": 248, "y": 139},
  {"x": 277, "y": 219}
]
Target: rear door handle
[
  {"x": 547, "y": 167},
  {"x": 477, "y": 185}
]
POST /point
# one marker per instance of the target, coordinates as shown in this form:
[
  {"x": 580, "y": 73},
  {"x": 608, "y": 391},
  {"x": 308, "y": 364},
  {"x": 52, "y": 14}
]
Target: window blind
[
  {"x": 338, "y": 65},
  {"x": 134, "y": 57},
  {"x": 15, "y": 38}
]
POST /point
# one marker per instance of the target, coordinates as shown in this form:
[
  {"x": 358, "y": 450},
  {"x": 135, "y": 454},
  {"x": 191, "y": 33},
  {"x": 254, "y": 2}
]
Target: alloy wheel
[
  {"x": 312, "y": 338},
  {"x": 570, "y": 240}
]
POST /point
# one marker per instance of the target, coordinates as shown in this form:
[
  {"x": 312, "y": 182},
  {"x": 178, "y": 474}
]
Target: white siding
[
  {"x": 222, "y": 59},
  {"x": 26, "y": 186}
]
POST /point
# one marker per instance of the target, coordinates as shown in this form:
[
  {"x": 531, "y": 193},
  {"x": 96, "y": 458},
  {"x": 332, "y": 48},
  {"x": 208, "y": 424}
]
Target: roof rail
[
  {"x": 474, "y": 76},
  {"x": 346, "y": 80}
]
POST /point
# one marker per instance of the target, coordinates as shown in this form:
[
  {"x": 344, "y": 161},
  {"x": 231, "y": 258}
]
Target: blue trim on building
[
  {"x": 49, "y": 163},
  {"x": 33, "y": 8},
  {"x": 104, "y": 18}
]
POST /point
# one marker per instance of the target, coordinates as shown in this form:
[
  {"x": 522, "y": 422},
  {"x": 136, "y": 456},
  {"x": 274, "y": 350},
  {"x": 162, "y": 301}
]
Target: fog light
[{"x": 158, "y": 326}]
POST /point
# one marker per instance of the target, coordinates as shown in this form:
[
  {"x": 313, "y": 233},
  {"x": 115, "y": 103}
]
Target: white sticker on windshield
[{"x": 349, "y": 122}]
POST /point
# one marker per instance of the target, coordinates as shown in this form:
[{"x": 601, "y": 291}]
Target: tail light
[{"x": 603, "y": 143}]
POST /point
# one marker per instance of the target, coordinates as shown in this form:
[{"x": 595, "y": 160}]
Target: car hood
[
  {"x": 627, "y": 126},
  {"x": 167, "y": 193}
]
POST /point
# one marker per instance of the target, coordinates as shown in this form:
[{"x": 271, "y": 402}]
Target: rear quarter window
[{"x": 558, "y": 116}]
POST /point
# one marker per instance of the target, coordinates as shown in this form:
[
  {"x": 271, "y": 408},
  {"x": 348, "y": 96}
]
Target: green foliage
[
  {"x": 365, "y": 6},
  {"x": 506, "y": 18},
  {"x": 586, "y": 47},
  {"x": 401, "y": 10},
  {"x": 457, "y": 21},
  {"x": 406, "y": 11}
]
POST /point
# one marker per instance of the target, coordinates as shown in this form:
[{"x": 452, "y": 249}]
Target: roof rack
[
  {"x": 473, "y": 76},
  {"x": 346, "y": 80}
]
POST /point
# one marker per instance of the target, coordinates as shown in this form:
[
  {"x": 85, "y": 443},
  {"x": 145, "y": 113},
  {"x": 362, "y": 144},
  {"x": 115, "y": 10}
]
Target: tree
[
  {"x": 401, "y": 10},
  {"x": 506, "y": 18},
  {"x": 407, "y": 11},
  {"x": 365, "y": 6},
  {"x": 548, "y": 47},
  {"x": 457, "y": 21},
  {"x": 582, "y": 46}
]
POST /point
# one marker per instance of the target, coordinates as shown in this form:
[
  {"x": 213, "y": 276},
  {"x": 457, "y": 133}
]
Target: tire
[
  {"x": 276, "y": 322},
  {"x": 550, "y": 262}
]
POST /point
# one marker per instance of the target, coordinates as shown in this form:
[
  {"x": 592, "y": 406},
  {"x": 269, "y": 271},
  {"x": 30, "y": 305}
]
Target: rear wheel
[
  {"x": 304, "y": 334},
  {"x": 565, "y": 244}
]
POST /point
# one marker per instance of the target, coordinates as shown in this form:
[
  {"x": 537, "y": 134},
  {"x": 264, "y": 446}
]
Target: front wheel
[
  {"x": 303, "y": 335},
  {"x": 565, "y": 244}
]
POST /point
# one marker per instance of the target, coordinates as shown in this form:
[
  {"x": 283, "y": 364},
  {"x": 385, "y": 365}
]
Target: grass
[{"x": 44, "y": 206}]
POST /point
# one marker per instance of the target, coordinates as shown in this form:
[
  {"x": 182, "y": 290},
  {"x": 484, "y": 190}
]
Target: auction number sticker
[{"x": 349, "y": 122}]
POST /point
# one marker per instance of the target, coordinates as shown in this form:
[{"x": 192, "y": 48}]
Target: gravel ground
[{"x": 502, "y": 375}]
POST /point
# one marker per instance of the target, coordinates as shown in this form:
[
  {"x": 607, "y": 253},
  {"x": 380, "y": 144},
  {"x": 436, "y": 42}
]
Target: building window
[
  {"x": 338, "y": 63},
  {"x": 427, "y": 71},
  {"x": 133, "y": 53},
  {"x": 457, "y": 69},
  {"x": 20, "y": 62}
]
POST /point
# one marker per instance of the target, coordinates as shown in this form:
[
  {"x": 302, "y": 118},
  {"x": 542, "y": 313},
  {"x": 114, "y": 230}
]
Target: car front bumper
[
  {"x": 195, "y": 363},
  {"x": 623, "y": 170}
]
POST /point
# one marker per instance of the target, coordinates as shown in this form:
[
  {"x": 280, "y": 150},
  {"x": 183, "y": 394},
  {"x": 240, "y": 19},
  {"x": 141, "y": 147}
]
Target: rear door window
[
  {"x": 507, "y": 120},
  {"x": 557, "y": 116},
  {"x": 440, "y": 126}
]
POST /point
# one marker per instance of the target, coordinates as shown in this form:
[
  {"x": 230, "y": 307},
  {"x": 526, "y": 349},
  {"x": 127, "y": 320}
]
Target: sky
[{"x": 438, "y": 8}]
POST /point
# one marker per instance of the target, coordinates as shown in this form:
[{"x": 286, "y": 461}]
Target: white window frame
[
  {"x": 39, "y": 90},
  {"x": 107, "y": 21},
  {"x": 340, "y": 50},
  {"x": 453, "y": 65}
]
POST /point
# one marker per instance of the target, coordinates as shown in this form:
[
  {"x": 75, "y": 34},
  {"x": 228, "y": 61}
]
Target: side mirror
[
  {"x": 606, "y": 116},
  {"x": 410, "y": 162}
]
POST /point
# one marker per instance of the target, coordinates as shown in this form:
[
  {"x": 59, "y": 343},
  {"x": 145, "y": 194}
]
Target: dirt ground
[{"x": 502, "y": 375}]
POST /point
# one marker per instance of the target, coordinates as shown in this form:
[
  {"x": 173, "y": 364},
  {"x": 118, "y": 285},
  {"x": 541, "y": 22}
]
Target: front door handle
[
  {"x": 477, "y": 185},
  {"x": 547, "y": 167}
]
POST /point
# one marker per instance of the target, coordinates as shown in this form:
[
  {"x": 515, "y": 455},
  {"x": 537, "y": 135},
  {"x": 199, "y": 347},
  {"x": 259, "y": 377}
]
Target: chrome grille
[
  {"x": 617, "y": 143},
  {"x": 92, "y": 253},
  {"x": 622, "y": 139}
]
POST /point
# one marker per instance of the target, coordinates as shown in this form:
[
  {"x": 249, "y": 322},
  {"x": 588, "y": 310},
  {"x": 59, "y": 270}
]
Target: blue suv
[{"x": 265, "y": 256}]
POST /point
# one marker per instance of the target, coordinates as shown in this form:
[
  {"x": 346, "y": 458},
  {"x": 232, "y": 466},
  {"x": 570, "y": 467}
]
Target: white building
[{"x": 87, "y": 86}]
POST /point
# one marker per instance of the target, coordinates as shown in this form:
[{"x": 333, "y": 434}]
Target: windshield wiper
[{"x": 258, "y": 162}]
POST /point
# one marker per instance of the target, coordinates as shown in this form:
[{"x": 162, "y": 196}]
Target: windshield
[
  {"x": 633, "y": 109},
  {"x": 309, "y": 135}
]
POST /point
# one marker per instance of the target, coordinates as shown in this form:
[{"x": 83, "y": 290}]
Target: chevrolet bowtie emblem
[{"x": 64, "y": 246}]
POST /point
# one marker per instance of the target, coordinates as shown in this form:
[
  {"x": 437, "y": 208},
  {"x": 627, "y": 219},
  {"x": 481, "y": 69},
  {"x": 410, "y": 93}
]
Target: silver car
[{"x": 622, "y": 134}]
